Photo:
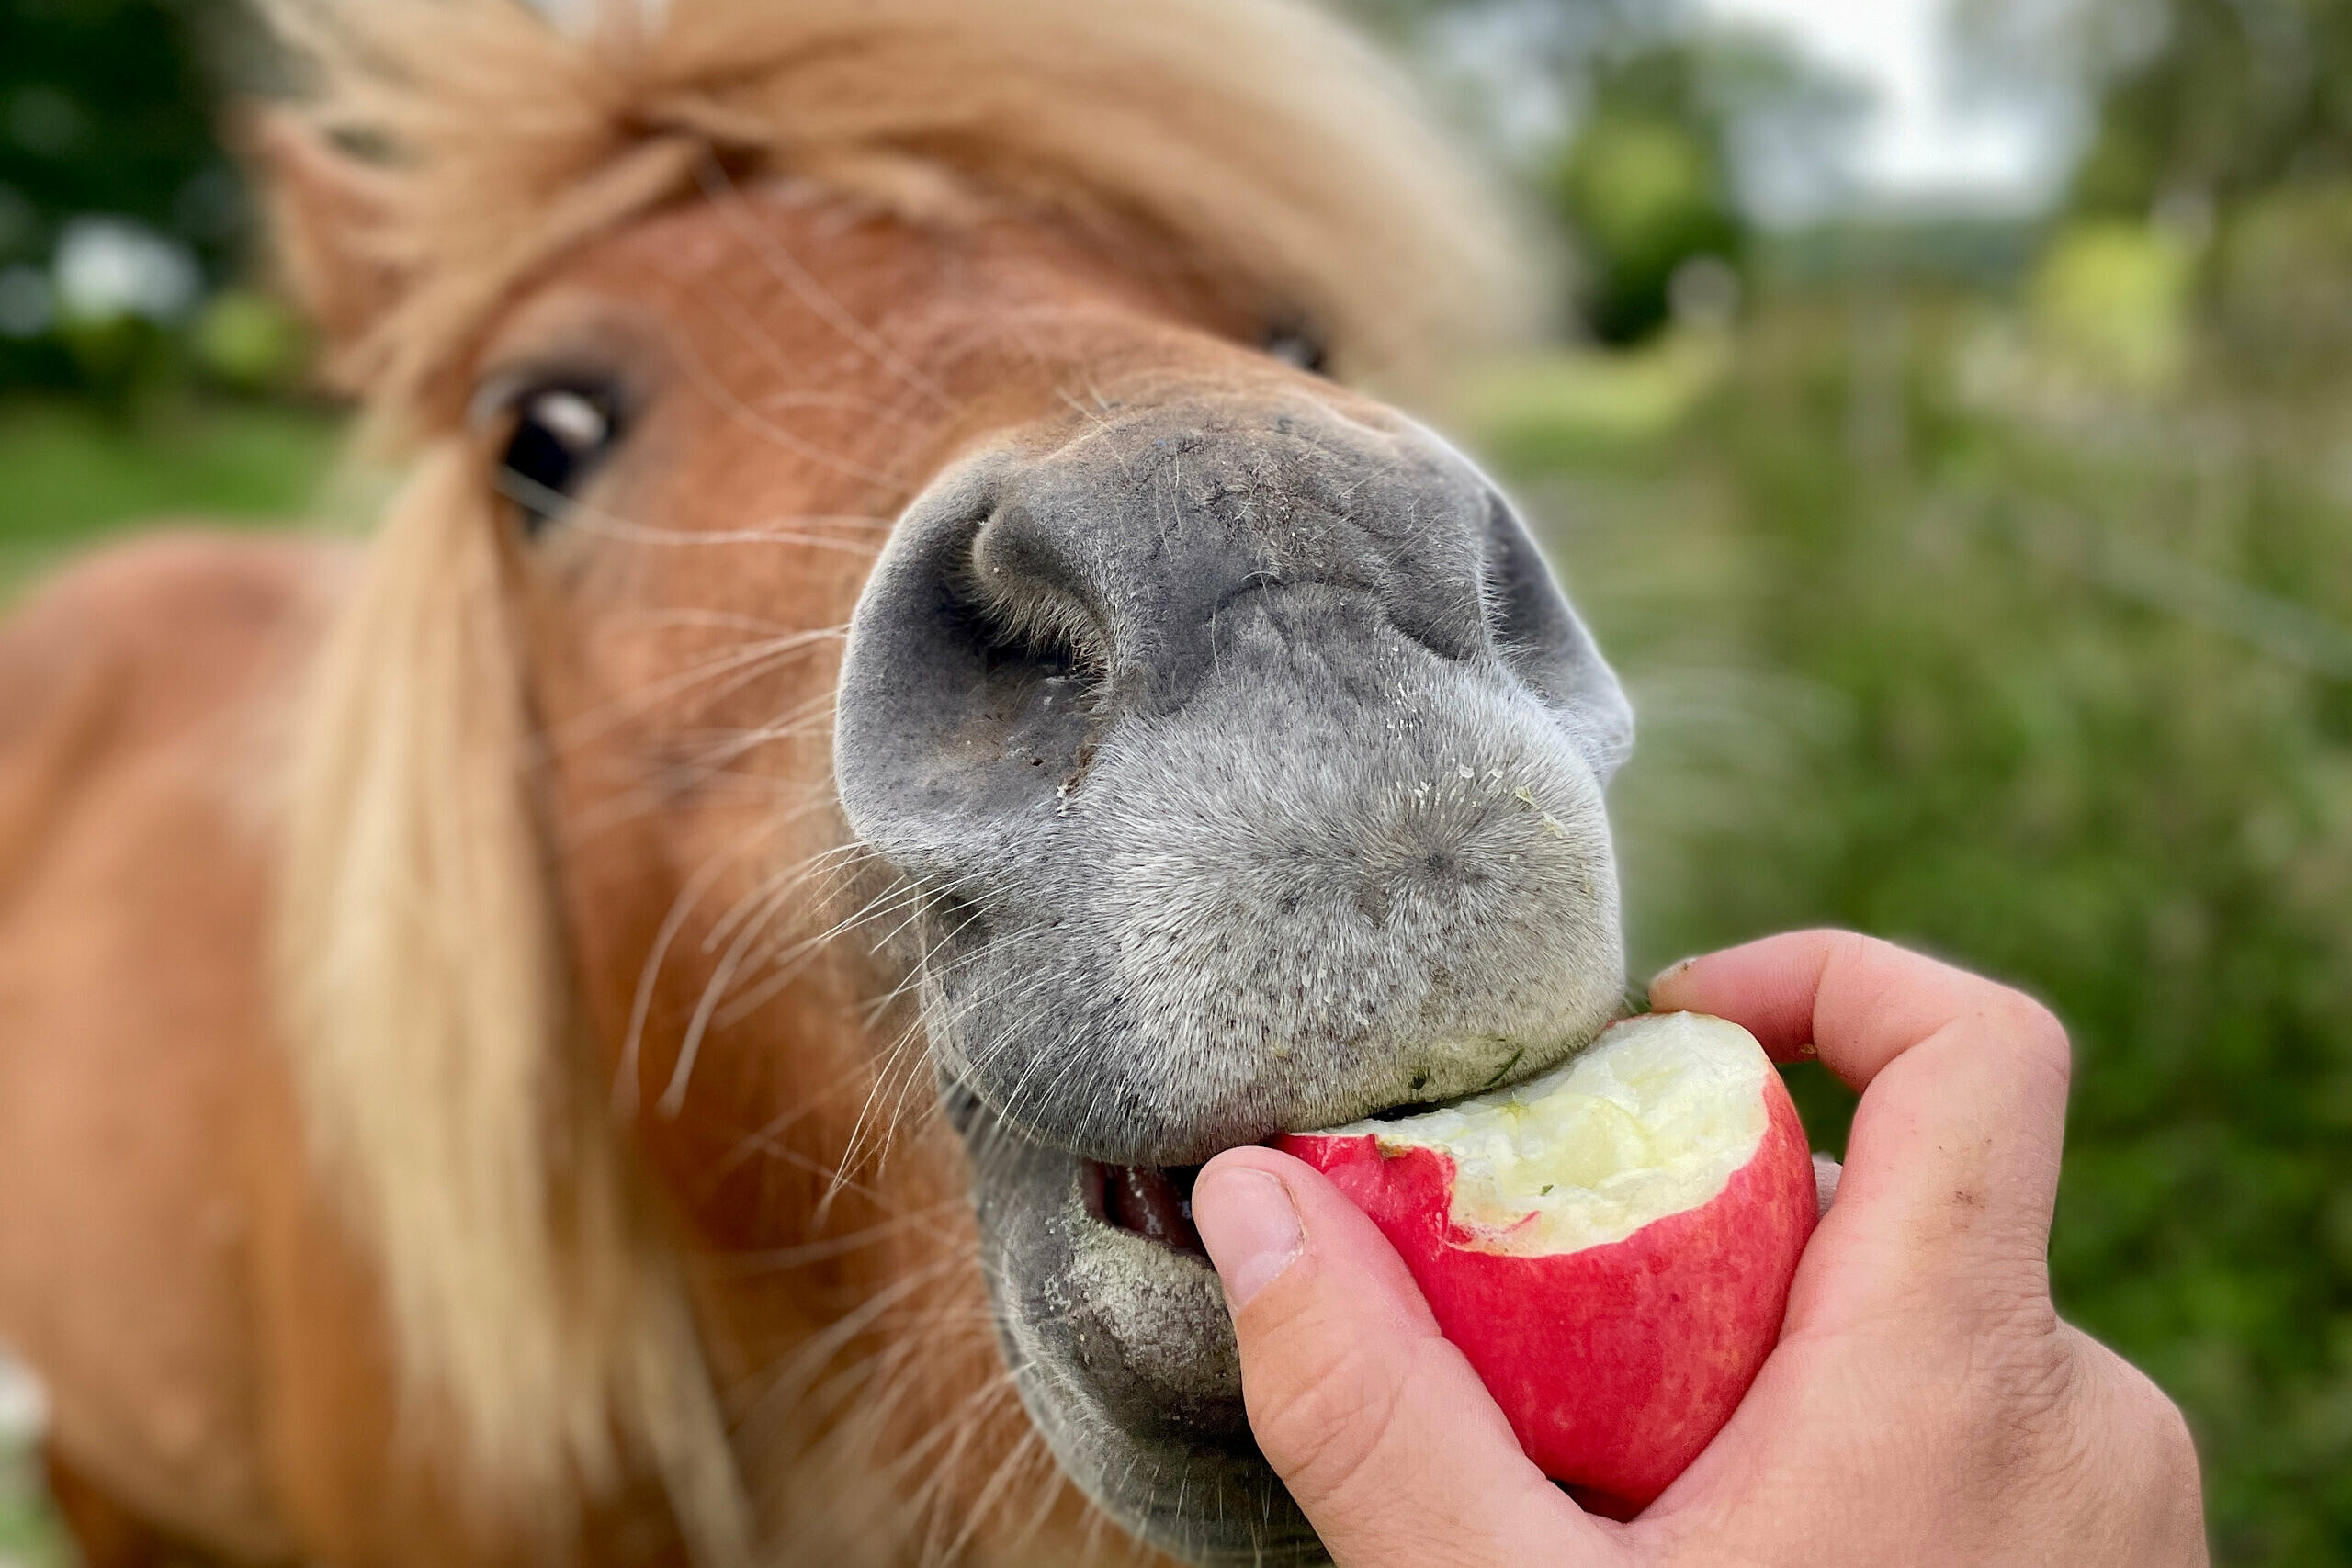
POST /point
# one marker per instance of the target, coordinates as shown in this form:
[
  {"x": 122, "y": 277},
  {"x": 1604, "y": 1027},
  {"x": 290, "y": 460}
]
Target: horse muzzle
[{"x": 1246, "y": 762}]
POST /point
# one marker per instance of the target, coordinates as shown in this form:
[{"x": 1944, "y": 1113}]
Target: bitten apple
[{"x": 1610, "y": 1245}]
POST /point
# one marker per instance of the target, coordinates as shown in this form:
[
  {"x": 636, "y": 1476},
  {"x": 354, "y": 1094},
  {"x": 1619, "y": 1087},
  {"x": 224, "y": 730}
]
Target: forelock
[{"x": 1274, "y": 149}]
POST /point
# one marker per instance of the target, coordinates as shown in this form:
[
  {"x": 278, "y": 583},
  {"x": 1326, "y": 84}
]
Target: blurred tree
[
  {"x": 2219, "y": 120},
  {"x": 1646, "y": 187},
  {"x": 1686, "y": 142},
  {"x": 106, "y": 114},
  {"x": 2225, "y": 98},
  {"x": 105, "y": 107},
  {"x": 1655, "y": 135},
  {"x": 2282, "y": 284},
  {"x": 2214, "y": 100}
]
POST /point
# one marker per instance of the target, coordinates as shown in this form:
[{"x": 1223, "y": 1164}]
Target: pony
[{"x": 662, "y": 1007}]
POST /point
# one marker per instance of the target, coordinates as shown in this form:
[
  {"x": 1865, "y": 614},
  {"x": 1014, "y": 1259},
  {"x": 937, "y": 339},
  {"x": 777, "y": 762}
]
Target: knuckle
[
  {"x": 2176, "y": 1447},
  {"x": 2024, "y": 1384},
  {"x": 1852, "y": 956},
  {"x": 2033, "y": 1031},
  {"x": 2035, "y": 1376},
  {"x": 2118, "y": 1462},
  {"x": 2150, "y": 1475},
  {"x": 1855, "y": 947},
  {"x": 2172, "y": 1424},
  {"x": 2173, "y": 1469}
]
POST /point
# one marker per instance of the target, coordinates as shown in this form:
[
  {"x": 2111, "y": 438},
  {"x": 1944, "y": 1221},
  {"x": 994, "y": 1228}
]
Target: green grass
[
  {"x": 29, "y": 1534},
  {"x": 71, "y": 472}
]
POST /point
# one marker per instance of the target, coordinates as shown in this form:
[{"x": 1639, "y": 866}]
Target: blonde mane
[
  {"x": 536, "y": 1309},
  {"x": 1279, "y": 154}
]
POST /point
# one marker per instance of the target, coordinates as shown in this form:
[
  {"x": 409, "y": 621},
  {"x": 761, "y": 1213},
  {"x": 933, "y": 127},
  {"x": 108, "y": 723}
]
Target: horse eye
[
  {"x": 560, "y": 435},
  {"x": 1297, "y": 349}
]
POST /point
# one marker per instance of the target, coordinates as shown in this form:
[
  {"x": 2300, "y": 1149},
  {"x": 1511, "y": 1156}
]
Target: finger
[
  {"x": 1963, "y": 1083},
  {"x": 1384, "y": 1436},
  {"x": 1858, "y": 1001}
]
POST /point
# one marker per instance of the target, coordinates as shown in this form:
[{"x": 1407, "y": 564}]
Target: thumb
[{"x": 1392, "y": 1446}]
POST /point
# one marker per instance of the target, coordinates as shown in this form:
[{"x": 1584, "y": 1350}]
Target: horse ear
[{"x": 329, "y": 216}]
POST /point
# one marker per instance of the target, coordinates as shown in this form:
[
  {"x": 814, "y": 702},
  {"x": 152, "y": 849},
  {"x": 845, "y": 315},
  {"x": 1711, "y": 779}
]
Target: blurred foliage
[
  {"x": 2061, "y": 689},
  {"x": 2225, "y": 98},
  {"x": 248, "y": 341},
  {"x": 119, "y": 208},
  {"x": 1986, "y": 254},
  {"x": 105, "y": 108},
  {"x": 29, "y": 1535},
  {"x": 1645, "y": 187},
  {"x": 1650, "y": 142},
  {"x": 2113, "y": 298},
  {"x": 1676, "y": 140},
  {"x": 1547, "y": 411},
  {"x": 72, "y": 468},
  {"x": 2282, "y": 285}
]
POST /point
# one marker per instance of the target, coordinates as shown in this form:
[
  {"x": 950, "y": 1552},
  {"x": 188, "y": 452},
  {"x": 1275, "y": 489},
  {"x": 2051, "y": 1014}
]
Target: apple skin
[{"x": 1617, "y": 1363}]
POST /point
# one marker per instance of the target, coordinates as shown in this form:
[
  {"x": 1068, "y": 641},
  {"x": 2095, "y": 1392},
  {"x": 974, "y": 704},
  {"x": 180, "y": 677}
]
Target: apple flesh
[{"x": 1610, "y": 1245}]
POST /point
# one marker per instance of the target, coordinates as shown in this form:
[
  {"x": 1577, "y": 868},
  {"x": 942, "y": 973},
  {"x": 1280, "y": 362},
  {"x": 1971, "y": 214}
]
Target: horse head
[{"x": 909, "y": 683}]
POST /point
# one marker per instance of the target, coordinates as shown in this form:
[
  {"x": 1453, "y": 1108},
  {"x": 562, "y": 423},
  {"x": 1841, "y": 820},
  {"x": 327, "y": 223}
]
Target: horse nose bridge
[{"x": 1142, "y": 536}]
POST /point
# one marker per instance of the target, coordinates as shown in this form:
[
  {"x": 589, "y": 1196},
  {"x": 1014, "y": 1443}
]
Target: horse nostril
[
  {"x": 968, "y": 692},
  {"x": 1028, "y": 600},
  {"x": 1008, "y": 644}
]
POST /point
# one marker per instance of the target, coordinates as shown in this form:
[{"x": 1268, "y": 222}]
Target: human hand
[{"x": 1925, "y": 1405}]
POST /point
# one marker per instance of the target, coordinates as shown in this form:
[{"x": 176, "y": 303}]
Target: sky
[{"x": 1927, "y": 142}]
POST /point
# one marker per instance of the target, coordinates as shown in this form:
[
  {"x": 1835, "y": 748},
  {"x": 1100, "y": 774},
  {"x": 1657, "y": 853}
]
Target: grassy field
[
  {"x": 1936, "y": 637},
  {"x": 70, "y": 473}
]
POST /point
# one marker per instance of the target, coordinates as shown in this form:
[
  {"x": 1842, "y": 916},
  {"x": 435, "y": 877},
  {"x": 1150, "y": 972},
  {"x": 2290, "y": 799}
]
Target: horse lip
[
  {"x": 965, "y": 1104},
  {"x": 968, "y": 1109}
]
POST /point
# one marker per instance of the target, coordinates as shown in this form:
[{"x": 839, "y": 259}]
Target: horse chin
[
  {"x": 1123, "y": 1354},
  {"x": 1115, "y": 1328}
]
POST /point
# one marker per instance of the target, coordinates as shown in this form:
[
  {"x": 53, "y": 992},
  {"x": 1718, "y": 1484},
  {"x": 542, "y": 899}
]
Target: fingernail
[
  {"x": 1826, "y": 1174},
  {"x": 1671, "y": 970},
  {"x": 1246, "y": 1221}
]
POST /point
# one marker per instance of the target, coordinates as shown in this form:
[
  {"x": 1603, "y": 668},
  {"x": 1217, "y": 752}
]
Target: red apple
[{"x": 1610, "y": 1244}]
